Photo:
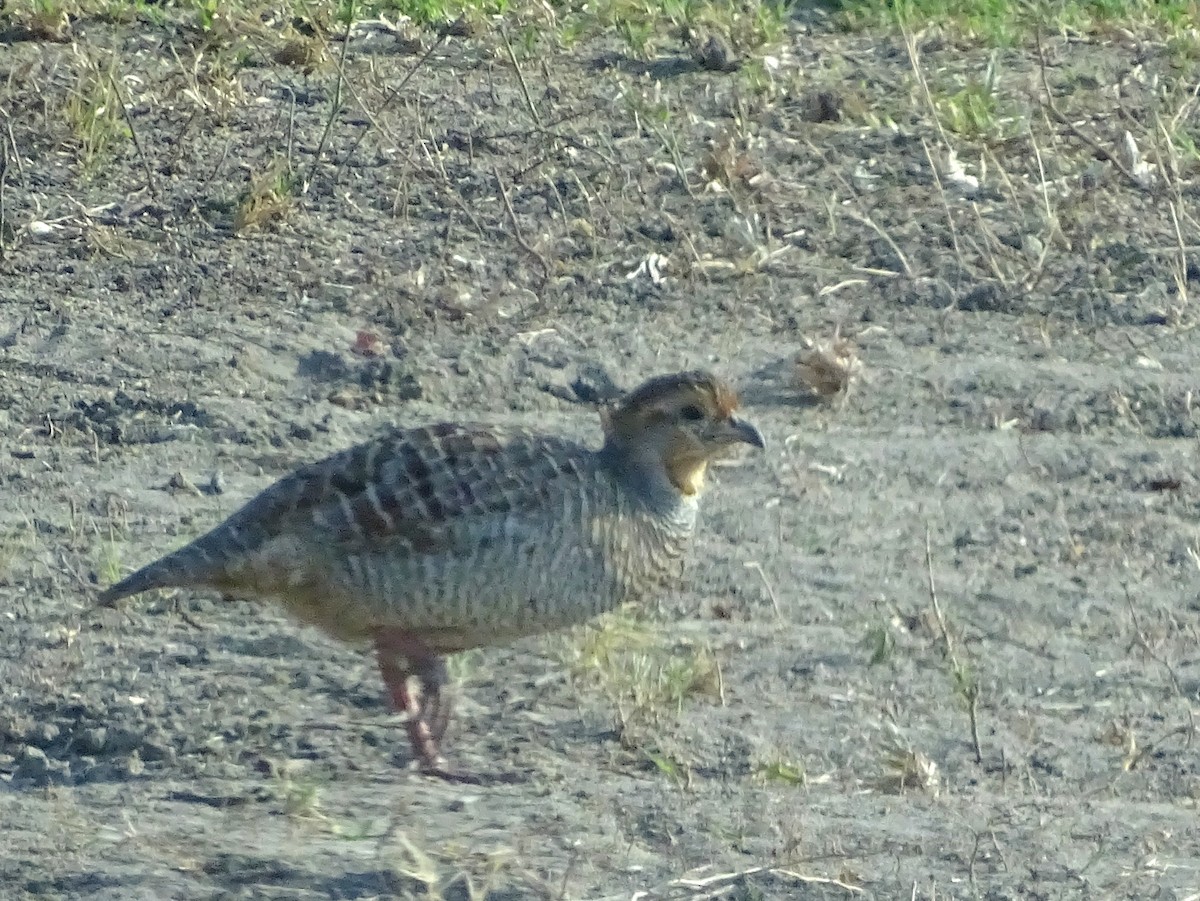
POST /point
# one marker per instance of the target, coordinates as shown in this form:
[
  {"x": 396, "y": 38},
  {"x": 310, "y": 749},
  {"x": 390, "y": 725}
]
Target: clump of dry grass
[
  {"x": 908, "y": 769},
  {"x": 269, "y": 197},
  {"x": 729, "y": 165},
  {"x": 42, "y": 20},
  {"x": 826, "y": 369},
  {"x": 301, "y": 51},
  {"x": 94, "y": 110},
  {"x": 905, "y": 768},
  {"x": 782, "y": 769},
  {"x": 647, "y": 679}
]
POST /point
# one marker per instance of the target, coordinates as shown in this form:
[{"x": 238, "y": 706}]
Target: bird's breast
[{"x": 525, "y": 572}]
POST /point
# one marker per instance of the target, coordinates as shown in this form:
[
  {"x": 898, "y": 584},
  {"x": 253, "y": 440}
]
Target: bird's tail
[{"x": 188, "y": 566}]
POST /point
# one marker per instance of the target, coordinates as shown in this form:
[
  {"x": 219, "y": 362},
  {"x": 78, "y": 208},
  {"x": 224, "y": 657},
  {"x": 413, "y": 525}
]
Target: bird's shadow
[
  {"x": 774, "y": 385},
  {"x": 660, "y": 69}
]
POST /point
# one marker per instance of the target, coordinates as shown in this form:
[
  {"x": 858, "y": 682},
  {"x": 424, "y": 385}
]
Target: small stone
[
  {"x": 32, "y": 763},
  {"x": 715, "y": 55},
  {"x": 822, "y": 106},
  {"x": 461, "y": 803},
  {"x": 133, "y": 765},
  {"x": 1033, "y": 247},
  {"x": 216, "y": 483},
  {"x": 122, "y": 740},
  {"x": 91, "y": 741},
  {"x": 42, "y": 735},
  {"x": 154, "y": 749},
  {"x": 459, "y": 888},
  {"x": 34, "y": 766},
  {"x": 180, "y": 482}
]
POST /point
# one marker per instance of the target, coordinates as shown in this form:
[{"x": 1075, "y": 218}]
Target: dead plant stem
[
  {"x": 517, "y": 236},
  {"x": 137, "y": 144},
  {"x": 968, "y": 685}
]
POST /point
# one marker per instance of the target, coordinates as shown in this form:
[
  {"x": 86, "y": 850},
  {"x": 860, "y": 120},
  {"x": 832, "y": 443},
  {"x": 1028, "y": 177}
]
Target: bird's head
[{"x": 678, "y": 422}]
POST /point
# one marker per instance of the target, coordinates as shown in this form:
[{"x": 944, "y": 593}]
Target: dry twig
[
  {"x": 1096, "y": 147},
  {"x": 517, "y": 236}
]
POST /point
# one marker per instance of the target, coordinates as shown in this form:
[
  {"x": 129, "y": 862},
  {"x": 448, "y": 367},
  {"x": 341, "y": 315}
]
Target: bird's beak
[{"x": 741, "y": 430}]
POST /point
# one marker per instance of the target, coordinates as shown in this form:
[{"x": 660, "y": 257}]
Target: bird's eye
[{"x": 692, "y": 413}]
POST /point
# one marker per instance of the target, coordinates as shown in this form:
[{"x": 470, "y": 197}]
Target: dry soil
[{"x": 997, "y": 524}]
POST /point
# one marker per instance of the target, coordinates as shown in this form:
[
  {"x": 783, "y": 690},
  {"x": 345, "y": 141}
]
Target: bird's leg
[
  {"x": 402, "y": 656},
  {"x": 436, "y": 704}
]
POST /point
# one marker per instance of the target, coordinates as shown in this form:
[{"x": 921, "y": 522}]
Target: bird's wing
[{"x": 409, "y": 490}]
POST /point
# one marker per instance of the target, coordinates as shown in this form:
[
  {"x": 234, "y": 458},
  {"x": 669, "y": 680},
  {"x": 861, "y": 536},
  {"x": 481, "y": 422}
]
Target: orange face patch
[{"x": 726, "y": 399}]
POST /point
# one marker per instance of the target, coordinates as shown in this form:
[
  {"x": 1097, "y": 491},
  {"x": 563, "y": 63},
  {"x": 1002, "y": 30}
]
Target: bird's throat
[{"x": 687, "y": 475}]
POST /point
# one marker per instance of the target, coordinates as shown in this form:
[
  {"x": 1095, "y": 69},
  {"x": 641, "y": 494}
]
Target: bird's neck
[{"x": 644, "y": 477}]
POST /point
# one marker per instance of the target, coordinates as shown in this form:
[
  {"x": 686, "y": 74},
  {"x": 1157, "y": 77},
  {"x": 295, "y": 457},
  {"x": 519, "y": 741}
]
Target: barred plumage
[{"x": 446, "y": 537}]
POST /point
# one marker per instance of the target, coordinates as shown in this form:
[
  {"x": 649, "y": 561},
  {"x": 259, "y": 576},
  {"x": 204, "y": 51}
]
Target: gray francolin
[{"x": 436, "y": 539}]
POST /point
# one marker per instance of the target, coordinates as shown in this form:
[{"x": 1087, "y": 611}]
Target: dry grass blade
[
  {"x": 965, "y": 682},
  {"x": 719, "y": 885}
]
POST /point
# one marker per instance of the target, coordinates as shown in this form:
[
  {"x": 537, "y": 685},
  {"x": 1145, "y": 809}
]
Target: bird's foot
[{"x": 439, "y": 768}]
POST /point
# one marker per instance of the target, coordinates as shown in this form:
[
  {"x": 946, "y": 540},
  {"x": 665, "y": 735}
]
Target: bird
[{"x": 436, "y": 539}]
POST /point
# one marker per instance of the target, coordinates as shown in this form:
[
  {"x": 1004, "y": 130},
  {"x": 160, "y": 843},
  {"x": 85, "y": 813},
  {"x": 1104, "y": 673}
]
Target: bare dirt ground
[{"x": 519, "y": 224}]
